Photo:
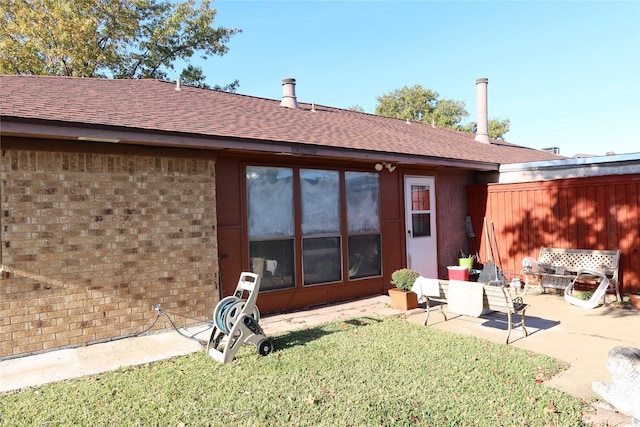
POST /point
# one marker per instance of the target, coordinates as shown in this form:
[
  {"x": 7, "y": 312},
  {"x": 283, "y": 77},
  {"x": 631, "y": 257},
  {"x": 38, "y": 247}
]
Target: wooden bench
[
  {"x": 557, "y": 268},
  {"x": 495, "y": 298}
]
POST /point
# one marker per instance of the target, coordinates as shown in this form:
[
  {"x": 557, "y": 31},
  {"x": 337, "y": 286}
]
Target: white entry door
[{"x": 420, "y": 211}]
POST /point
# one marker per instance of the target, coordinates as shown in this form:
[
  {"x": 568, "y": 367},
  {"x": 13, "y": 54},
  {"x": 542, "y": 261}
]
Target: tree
[
  {"x": 424, "y": 105},
  {"x": 497, "y": 128},
  {"x": 109, "y": 38},
  {"x": 356, "y": 107},
  {"x": 192, "y": 76},
  {"x": 421, "y": 105}
]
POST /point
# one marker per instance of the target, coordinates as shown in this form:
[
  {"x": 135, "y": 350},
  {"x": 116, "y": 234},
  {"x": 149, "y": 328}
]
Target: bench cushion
[{"x": 465, "y": 298}]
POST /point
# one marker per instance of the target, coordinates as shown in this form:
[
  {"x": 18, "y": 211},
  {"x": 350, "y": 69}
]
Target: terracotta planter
[
  {"x": 635, "y": 300},
  {"x": 403, "y": 300}
]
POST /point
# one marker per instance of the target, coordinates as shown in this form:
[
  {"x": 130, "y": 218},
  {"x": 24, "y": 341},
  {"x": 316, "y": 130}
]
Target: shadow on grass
[{"x": 303, "y": 336}]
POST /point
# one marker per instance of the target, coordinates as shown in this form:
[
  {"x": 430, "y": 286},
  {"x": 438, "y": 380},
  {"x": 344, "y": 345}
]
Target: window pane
[
  {"x": 269, "y": 201},
  {"x": 321, "y": 260},
  {"x": 421, "y": 224},
  {"x": 273, "y": 261},
  {"x": 363, "y": 201},
  {"x": 320, "y": 191},
  {"x": 364, "y": 256},
  {"x": 419, "y": 198}
]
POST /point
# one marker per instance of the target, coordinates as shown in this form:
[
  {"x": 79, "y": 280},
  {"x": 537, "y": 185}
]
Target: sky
[{"x": 564, "y": 73}]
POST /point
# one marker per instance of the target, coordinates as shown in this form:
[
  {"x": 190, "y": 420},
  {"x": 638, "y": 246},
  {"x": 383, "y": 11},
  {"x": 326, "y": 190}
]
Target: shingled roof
[{"x": 225, "y": 120}]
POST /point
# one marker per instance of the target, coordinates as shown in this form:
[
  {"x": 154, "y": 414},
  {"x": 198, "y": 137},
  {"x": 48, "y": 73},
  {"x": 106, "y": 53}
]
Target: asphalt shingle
[{"x": 153, "y": 105}]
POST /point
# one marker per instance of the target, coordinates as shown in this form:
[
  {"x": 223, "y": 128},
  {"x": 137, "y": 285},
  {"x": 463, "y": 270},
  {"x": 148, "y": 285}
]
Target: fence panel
[{"x": 582, "y": 213}]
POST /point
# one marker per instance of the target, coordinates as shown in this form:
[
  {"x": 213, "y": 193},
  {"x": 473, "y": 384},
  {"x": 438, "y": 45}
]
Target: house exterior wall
[
  {"x": 601, "y": 212},
  {"x": 233, "y": 239},
  {"x": 452, "y": 213},
  {"x": 93, "y": 236}
]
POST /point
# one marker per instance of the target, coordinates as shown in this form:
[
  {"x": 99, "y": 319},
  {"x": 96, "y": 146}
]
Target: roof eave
[{"x": 20, "y": 127}]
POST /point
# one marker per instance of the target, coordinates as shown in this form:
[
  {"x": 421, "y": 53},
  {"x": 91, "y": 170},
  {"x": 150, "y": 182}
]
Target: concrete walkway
[
  {"x": 97, "y": 358},
  {"x": 580, "y": 337}
]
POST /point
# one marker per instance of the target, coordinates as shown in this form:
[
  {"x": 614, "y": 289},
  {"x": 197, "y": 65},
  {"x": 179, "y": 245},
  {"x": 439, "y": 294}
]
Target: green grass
[{"x": 369, "y": 371}]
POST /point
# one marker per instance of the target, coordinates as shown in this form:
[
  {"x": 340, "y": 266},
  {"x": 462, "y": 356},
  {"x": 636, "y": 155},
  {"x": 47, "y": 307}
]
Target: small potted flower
[{"x": 402, "y": 297}]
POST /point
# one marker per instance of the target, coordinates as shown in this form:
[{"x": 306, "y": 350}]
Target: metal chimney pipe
[
  {"x": 482, "y": 128},
  {"x": 289, "y": 94}
]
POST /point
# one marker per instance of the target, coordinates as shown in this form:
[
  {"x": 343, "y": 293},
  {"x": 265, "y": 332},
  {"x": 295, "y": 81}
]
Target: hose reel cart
[{"x": 236, "y": 322}]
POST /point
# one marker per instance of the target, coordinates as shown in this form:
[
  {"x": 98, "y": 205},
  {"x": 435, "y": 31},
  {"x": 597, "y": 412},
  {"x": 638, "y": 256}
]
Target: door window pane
[
  {"x": 364, "y": 256},
  {"x": 320, "y": 195},
  {"x": 321, "y": 260},
  {"x": 272, "y": 260},
  {"x": 363, "y": 202},
  {"x": 419, "y": 198},
  {"x": 269, "y": 201},
  {"x": 421, "y": 224}
]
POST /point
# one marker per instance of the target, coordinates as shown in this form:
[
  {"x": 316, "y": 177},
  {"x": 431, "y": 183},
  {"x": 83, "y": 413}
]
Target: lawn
[{"x": 368, "y": 371}]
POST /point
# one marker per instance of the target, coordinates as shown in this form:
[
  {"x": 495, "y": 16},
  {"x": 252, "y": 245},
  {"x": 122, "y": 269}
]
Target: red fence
[{"x": 583, "y": 213}]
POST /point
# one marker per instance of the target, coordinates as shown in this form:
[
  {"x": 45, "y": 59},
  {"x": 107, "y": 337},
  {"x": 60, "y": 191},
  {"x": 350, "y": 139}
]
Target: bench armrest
[{"x": 521, "y": 307}]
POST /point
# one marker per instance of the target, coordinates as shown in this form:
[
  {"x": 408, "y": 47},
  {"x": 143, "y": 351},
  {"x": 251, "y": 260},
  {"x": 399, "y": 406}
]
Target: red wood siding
[
  {"x": 233, "y": 240},
  {"x": 451, "y": 219},
  {"x": 232, "y": 233},
  {"x": 583, "y": 213}
]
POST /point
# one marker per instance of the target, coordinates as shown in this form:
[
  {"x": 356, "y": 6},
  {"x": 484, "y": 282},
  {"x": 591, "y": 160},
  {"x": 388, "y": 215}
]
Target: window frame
[{"x": 298, "y": 237}]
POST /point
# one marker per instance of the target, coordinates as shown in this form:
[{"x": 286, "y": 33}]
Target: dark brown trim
[
  {"x": 67, "y": 146},
  {"x": 72, "y": 131}
]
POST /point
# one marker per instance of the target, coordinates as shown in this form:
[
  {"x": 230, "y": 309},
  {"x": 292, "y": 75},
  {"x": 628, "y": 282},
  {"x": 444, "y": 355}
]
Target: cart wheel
[{"x": 264, "y": 347}]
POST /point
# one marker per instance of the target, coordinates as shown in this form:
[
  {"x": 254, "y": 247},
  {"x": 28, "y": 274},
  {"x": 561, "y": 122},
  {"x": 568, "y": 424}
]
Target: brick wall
[{"x": 92, "y": 240}]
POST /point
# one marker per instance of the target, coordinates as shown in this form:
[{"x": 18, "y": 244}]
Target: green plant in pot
[
  {"x": 401, "y": 297},
  {"x": 634, "y": 298},
  {"x": 404, "y": 278}
]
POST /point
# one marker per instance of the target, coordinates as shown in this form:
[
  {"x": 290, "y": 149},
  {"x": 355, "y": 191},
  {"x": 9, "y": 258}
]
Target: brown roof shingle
[{"x": 152, "y": 105}]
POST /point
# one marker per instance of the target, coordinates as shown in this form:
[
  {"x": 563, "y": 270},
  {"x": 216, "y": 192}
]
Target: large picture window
[
  {"x": 363, "y": 224},
  {"x": 279, "y": 221},
  {"x": 321, "y": 244},
  {"x": 271, "y": 226}
]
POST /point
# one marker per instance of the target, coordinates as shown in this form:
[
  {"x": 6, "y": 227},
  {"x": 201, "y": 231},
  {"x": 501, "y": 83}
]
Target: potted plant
[
  {"x": 634, "y": 298},
  {"x": 401, "y": 296},
  {"x": 465, "y": 261}
]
